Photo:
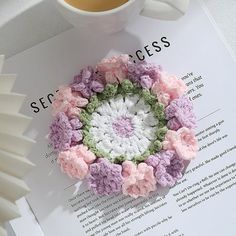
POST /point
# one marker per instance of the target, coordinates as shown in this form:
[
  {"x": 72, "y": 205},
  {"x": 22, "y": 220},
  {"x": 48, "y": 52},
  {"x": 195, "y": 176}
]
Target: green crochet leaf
[
  {"x": 155, "y": 147},
  {"x": 137, "y": 90},
  {"x": 158, "y": 111},
  {"x": 146, "y": 154},
  {"x": 148, "y": 97},
  {"x": 85, "y": 117},
  {"x": 139, "y": 159},
  {"x": 126, "y": 87},
  {"x": 86, "y": 141},
  {"x": 100, "y": 153},
  {"x": 160, "y": 134},
  {"x": 119, "y": 159},
  {"x": 162, "y": 123},
  {"x": 109, "y": 91},
  {"x": 93, "y": 104},
  {"x": 87, "y": 127}
]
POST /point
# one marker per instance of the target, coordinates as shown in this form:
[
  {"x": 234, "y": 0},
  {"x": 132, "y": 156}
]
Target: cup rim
[{"x": 91, "y": 13}]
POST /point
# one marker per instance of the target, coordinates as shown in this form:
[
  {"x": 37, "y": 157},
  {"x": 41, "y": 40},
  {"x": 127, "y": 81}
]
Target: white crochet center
[{"x": 142, "y": 119}]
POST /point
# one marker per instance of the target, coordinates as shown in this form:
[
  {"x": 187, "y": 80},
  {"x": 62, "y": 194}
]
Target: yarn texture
[{"x": 124, "y": 127}]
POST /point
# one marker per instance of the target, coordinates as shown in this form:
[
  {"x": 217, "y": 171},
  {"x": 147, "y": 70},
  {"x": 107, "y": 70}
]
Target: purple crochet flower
[
  {"x": 75, "y": 123},
  {"x": 104, "y": 177},
  {"x": 64, "y": 133},
  {"x": 167, "y": 167},
  {"x": 180, "y": 114},
  {"x": 123, "y": 127},
  {"x": 88, "y": 82},
  {"x": 143, "y": 73}
]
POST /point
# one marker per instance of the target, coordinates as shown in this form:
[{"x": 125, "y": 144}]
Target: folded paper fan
[
  {"x": 14, "y": 147},
  {"x": 124, "y": 127},
  {"x": 2, "y": 230}
]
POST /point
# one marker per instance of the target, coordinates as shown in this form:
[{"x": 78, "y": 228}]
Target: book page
[{"x": 203, "y": 202}]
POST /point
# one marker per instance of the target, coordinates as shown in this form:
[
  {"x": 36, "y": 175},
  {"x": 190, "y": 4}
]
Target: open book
[{"x": 203, "y": 202}]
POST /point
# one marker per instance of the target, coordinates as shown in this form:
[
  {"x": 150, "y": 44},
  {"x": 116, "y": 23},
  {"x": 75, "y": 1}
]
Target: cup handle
[{"x": 165, "y": 9}]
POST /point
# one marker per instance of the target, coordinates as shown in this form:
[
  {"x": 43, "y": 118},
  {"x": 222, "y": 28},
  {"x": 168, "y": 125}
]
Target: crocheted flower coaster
[{"x": 124, "y": 127}]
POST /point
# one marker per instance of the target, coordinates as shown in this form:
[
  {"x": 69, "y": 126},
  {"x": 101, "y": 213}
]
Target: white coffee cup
[{"x": 114, "y": 20}]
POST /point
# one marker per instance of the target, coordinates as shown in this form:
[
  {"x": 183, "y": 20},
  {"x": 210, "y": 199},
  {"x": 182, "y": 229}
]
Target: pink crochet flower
[
  {"x": 168, "y": 88},
  {"x": 68, "y": 102},
  {"x": 183, "y": 141},
  {"x": 115, "y": 68},
  {"x": 75, "y": 161},
  {"x": 83, "y": 152},
  {"x": 138, "y": 180}
]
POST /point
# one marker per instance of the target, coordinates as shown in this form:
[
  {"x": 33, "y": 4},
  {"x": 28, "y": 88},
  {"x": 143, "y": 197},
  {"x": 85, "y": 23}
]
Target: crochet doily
[{"x": 124, "y": 127}]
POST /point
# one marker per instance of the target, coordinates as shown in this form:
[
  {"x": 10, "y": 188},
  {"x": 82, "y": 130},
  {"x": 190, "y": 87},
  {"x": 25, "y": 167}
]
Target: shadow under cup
[{"x": 96, "y": 5}]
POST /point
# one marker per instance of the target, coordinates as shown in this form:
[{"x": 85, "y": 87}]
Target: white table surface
[{"x": 45, "y": 22}]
